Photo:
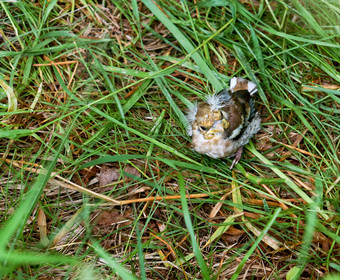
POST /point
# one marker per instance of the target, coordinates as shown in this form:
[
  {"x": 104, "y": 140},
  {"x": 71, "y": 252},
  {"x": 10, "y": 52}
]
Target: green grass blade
[
  {"x": 115, "y": 266},
  {"x": 203, "y": 267},
  {"x": 187, "y": 45}
]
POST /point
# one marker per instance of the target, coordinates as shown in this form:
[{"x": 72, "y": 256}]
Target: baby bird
[{"x": 224, "y": 123}]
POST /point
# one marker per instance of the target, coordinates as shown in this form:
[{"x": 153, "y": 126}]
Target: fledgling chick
[{"x": 224, "y": 123}]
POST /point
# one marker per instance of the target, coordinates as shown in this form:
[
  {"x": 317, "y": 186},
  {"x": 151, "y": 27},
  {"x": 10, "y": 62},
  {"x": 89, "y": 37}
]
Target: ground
[{"x": 98, "y": 179}]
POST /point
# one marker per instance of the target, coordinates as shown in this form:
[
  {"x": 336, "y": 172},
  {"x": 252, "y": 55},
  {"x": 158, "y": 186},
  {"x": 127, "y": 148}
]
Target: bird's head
[{"x": 210, "y": 122}]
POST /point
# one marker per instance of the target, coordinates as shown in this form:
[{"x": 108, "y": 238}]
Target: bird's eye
[{"x": 203, "y": 128}]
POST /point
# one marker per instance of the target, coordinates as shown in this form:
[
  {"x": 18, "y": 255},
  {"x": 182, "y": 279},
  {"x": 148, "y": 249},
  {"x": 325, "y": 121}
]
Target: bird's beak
[
  {"x": 218, "y": 127},
  {"x": 225, "y": 123},
  {"x": 210, "y": 134}
]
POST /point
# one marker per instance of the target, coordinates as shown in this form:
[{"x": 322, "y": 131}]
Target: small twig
[
  {"x": 299, "y": 150},
  {"x": 56, "y": 63},
  {"x": 169, "y": 197}
]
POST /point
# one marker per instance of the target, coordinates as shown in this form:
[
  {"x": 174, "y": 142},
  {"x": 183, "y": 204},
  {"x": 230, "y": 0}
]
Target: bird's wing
[
  {"x": 239, "y": 112},
  {"x": 234, "y": 113}
]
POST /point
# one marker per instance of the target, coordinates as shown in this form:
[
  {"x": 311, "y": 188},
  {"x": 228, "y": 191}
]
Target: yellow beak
[
  {"x": 225, "y": 123},
  {"x": 210, "y": 134}
]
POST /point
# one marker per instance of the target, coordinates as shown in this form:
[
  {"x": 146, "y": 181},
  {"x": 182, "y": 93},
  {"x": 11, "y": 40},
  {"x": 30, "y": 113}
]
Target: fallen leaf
[{"x": 108, "y": 175}]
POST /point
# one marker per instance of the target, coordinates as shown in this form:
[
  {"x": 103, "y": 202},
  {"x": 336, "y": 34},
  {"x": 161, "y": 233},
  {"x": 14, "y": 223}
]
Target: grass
[{"x": 97, "y": 176}]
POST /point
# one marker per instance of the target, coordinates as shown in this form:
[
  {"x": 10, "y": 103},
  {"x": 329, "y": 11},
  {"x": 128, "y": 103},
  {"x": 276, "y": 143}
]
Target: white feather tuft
[
  {"x": 252, "y": 88},
  {"x": 216, "y": 101},
  {"x": 191, "y": 118},
  {"x": 189, "y": 130},
  {"x": 233, "y": 83}
]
